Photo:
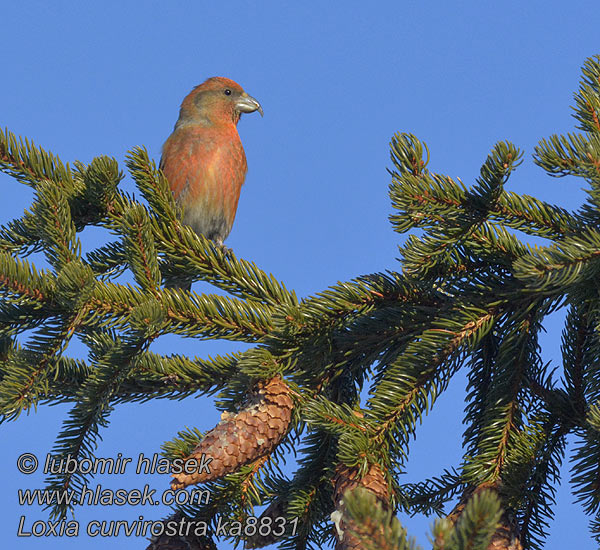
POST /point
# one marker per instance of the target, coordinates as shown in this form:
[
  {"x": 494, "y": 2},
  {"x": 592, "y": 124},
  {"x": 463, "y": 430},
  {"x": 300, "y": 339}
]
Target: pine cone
[
  {"x": 507, "y": 536},
  {"x": 244, "y": 437},
  {"x": 347, "y": 479}
]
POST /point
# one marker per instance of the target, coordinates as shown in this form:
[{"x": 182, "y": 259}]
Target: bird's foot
[{"x": 227, "y": 252}]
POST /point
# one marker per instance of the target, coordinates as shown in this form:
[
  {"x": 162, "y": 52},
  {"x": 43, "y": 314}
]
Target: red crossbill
[{"x": 203, "y": 159}]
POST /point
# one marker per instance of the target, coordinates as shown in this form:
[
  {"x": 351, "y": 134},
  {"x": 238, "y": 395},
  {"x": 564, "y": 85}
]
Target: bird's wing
[
  {"x": 206, "y": 168},
  {"x": 185, "y": 161}
]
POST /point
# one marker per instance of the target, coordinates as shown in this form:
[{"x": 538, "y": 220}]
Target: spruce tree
[{"x": 469, "y": 293}]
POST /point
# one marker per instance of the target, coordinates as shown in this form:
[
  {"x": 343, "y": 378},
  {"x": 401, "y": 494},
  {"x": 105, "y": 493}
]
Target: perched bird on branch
[{"x": 203, "y": 159}]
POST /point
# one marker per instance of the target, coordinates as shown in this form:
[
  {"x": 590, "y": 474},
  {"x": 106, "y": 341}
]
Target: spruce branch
[
  {"x": 472, "y": 294},
  {"x": 29, "y": 164},
  {"x": 586, "y": 463},
  {"x": 81, "y": 431},
  {"x": 587, "y": 99},
  {"x": 570, "y": 263},
  {"x": 502, "y": 412},
  {"x": 531, "y": 475},
  {"x": 409, "y": 386},
  {"x": 430, "y": 496},
  {"x": 479, "y": 526},
  {"x": 19, "y": 237}
]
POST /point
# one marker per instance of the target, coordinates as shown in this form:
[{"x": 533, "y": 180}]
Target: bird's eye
[{"x": 228, "y": 92}]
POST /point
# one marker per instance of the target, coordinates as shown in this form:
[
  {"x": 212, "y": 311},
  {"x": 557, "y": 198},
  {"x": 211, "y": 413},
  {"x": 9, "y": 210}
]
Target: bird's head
[{"x": 216, "y": 101}]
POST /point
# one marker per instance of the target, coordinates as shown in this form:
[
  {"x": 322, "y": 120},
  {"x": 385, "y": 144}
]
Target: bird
[{"x": 203, "y": 159}]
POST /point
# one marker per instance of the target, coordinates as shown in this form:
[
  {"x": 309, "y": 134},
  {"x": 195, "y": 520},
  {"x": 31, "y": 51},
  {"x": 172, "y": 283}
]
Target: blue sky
[{"x": 336, "y": 81}]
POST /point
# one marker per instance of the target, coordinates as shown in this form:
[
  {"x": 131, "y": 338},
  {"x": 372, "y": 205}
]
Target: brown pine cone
[
  {"x": 507, "y": 535},
  {"x": 347, "y": 479},
  {"x": 243, "y": 437}
]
